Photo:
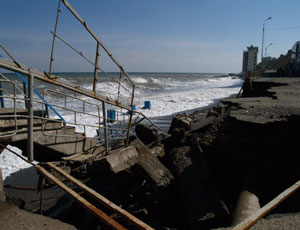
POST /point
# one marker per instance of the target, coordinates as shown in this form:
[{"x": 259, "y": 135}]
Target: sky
[{"x": 148, "y": 35}]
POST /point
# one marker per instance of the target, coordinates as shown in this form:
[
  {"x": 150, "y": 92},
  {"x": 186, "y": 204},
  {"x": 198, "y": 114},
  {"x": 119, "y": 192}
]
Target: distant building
[
  {"x": 295, "y": 58},
  {"x": 267, "y": 60},
  {"x": 250, "y": 58},
  {"x": 296, "y": 53}
]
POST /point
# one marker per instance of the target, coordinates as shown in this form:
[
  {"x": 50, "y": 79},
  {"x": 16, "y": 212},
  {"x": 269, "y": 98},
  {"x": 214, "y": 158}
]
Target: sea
[{"x": 168, "y": 94}]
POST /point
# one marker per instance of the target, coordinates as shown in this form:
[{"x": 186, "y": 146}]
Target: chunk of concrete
[
  {"x": 247, "y": 204},
  {"x": 123, "y": 159}
]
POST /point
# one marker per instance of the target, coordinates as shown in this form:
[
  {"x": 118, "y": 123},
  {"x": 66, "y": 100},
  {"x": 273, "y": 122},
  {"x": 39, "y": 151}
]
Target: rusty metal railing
[
  {"x": 12, "y": 97},
  {"x": 99, "y": 44},
  {"x": 120, "y": 100}
]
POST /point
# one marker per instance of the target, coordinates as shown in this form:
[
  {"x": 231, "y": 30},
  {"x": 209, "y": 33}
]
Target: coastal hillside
[{"x": 281, "y": 64}]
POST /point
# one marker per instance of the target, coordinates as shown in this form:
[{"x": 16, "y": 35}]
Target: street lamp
[
  {"x": 262, "y": 44},
  {"x": 267, "y": 48}
]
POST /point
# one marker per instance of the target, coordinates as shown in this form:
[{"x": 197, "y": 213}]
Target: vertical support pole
[
  {"x": 41, "y": 194},
  {"x": 105, "y": 126},
  {"x": 119, "y": 86},
  {"x": 25, "y": 94},
  {"x": 130, "y": 117},
  {"x": 1, "y": 96},
  {"x": 30, "y": 118},
  {"x": 262, "y": 49},
  {"x": 119, "y": 91},
  {"x": 96, "y": 67},
  {"x": 46, "y": 106},
  {"x": 54, "y": 35}
]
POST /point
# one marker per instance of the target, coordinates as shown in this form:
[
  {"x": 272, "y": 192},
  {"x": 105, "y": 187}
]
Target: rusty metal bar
[
  {"x": 29, "y": 162},
  {"x": 250, "y": 221},
  {"x": 19, "y": 187},
  {"x": 97, "y": 212},
  {"x": 30, "y": 150},
  {"x": 80, "y": 53},
  {"x": 118, "y": 99},
  {"x": 54, "y": 35},
  {"x": 138, "y": 223},
  {"x": 130, "y": 118},
  {"x": 96, "y": 68},
  {"x": 42, "y": 77},
  {"x": 89, "y": 61},
  {"x": 105, "y": 126},
  {"x": 41, "y": 195},
  {"x": 10, "y": 56},
  {"x": 76, "y": 15}
]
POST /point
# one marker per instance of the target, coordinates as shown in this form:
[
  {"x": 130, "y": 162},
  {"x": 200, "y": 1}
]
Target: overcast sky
[{"x": 149, "y": 35}]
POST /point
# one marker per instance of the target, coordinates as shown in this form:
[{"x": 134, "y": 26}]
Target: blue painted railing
[
  {"x": 40, "y": 96},
  {"x": 1, "y": 96}
]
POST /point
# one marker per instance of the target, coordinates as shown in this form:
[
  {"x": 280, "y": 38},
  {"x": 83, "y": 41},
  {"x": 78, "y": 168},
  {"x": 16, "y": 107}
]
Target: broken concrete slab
[
  {"x": 160, "y": 175},
  {"x": 122, "y": 159}
]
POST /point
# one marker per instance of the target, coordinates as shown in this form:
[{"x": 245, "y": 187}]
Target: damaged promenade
[{"x": 213, "y": 169}]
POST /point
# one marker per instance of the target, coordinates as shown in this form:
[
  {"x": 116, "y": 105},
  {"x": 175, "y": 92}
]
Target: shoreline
[{"x": 165, "y": 121}]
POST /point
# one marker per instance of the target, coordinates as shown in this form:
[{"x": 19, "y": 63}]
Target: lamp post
[
  {"x": 262, "y": 44},
  {"x": 267, "y": 48}
]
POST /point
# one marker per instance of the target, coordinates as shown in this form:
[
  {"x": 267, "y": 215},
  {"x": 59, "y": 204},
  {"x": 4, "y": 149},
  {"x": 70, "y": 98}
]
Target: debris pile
[{"x": 213, "y": 169}]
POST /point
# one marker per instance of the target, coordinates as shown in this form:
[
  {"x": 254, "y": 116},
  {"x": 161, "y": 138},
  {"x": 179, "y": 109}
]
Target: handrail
[
  {"x": 41, "y": 97},
  {"x": 147, "y": 119},
  {"x": 14, "y": 106},
  {"x": 77, "y": 16},
  {"x": 1, "y": 98},
  {"x": 89, "y": 61}
]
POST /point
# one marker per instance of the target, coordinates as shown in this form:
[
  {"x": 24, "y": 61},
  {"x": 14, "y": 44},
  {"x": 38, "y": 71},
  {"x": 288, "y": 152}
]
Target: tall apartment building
[{"x": 250, "y": 58}]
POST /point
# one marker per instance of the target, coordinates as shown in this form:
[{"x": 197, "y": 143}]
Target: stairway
[{"x": 51, "y": 134}]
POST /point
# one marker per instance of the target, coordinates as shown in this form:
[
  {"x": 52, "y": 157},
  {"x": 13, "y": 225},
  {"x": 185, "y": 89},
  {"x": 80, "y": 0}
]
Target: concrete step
[
  {"x": 9, "y": 111},
  {"x": 49, "y": 133},
  {"x": 9, "y": 125}
]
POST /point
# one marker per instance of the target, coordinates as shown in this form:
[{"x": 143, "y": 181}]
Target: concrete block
[
  {"x": 247, "y": 204},
  {"x": 123, "y": 159}
]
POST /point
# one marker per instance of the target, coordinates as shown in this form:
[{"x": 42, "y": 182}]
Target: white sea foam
[
  {"x": 166, "y": 104},
  {"x": 10, "y": 163},
  {"x": 140, "y": 80}
]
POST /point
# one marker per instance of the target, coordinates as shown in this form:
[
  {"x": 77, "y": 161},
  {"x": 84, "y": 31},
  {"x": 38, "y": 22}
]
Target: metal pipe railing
[
  {"x": 30, "y": 119},
  {"x": 1, "y": 98},
  {"x": 14, "y": 108},
  {"x": 53, "y": 41},
  {"x": 39, "y": 95},
  {"x": 90, "y": 62}
]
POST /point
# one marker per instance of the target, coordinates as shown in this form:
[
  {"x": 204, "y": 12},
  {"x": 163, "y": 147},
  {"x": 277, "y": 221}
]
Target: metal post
[
  {"x": 262, "y": 44},
  {"x": 96, "y": 68},
  {"x": 41, "y": 195},
  {"x": 1, "y": 96},
  {"x": 130, "y": 117},
  {"x": 119, "y": 86},
  {"x": 30, "y": 118},
  {"x": 25, "y": 94},
  {"x": 267, "y": 49},
  {"x": 54, "y": 35},
  {"x": 105, "y": 126}
]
